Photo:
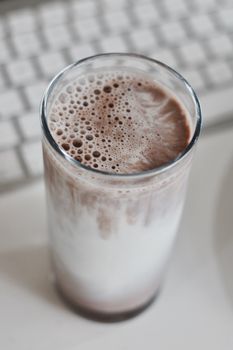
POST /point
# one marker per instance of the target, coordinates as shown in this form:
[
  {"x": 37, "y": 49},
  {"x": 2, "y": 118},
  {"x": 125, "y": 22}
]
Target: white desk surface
[{"x": 195, "y": 308}]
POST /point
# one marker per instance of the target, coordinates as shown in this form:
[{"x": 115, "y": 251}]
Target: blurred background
[{"x": 38, "y": 38}]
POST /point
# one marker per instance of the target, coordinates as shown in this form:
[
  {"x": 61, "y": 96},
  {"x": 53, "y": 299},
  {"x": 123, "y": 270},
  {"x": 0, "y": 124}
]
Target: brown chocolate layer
[{"x": 119, "y": 123}]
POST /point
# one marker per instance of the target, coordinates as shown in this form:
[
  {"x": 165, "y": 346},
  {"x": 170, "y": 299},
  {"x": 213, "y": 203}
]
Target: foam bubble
[
  {"x": 77, "y": 143},
  {"x": 141, "y": 125},
  {"x": 65, "y": 146}
]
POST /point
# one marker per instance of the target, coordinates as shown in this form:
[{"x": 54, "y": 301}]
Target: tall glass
[{"x": 111, "y": 234}]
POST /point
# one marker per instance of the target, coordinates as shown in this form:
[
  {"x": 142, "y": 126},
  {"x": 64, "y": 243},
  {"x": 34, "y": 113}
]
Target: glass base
[{"x": 105, "y": 317}]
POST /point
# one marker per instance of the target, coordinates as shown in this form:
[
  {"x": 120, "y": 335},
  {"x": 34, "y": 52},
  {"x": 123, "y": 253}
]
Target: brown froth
[{"x": 119, "y": 123}]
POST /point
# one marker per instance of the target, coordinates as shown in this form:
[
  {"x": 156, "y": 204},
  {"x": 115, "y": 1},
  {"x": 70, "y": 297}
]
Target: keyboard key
[
  {"x": 193, "y": 54},
  {"x": 30, "y": 125},
  {"x": 51, "y": 63},
  {"x": 202, "y": 26},
  {"x": 117, "y": 21},
  {"x": 143, "y": 39},
  {"x": 27, "y": 44},
  {"x": 22, "y": 21},
  {"x": 78, "y": 52},
  {"x": 88, "y": 29},
  {"x": 113, "y": 44},
  {"x": 21, "y": 72},
  {"x": 166, "y": 56},
  {"x": 2, "y": 81},
  {"x": 175, "y": 9},
  {"x": 217, "y": 104},
  {"x": 58, "y": 36},
  {"x": 2, "y": 28},
  {"x": 221, "y": 46},
  {"x": 205, "y": 5},
  {"x": 84, "y": 8},
  {"x": 194, "y": 78},
  {"x": 53, "y": 13},
  {"x": 114, "y": 5},
  {"x": 5, "y": 55},
  {"x": 219, "y": 73},
  {"x": 8, "y": 135},
  {"x": 225, "y": 18},
  {"x": 10, "y": 168},
  {"x": 34, "y": 93},
  {"x": 146, "y": 13},
  {"x": 10, "y": 103},
  {"x": 173, "y": 32},
  {"x": 227, "y": 3},
  {"x": 32, "y": 155}
]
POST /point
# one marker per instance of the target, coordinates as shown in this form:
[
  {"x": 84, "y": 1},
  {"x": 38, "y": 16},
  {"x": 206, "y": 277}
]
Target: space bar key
[{"x": 217, "y": 105}]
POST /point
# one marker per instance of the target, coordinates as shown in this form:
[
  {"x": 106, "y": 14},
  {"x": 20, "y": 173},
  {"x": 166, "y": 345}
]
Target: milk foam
[{"x": 119, "y": 123}]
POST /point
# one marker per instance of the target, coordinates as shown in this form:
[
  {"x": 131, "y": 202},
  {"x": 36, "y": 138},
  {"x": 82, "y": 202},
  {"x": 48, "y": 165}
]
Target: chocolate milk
[
  {"x": 119, "y": 123},
  {"x": 112, "y": 218}
]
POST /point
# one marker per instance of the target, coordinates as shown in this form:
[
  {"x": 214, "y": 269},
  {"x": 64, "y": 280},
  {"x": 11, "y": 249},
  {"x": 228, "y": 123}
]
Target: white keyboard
[{"x": 37, "y": 40}]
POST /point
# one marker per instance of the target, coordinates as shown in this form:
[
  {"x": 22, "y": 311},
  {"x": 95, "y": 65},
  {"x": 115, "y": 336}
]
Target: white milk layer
[
  {"x": 109, "y": 246},
  {"x": 114, "y": 274}
]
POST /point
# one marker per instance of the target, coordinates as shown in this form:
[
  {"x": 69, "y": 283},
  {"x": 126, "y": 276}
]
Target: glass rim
[{"x": 145, "y": 173}]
